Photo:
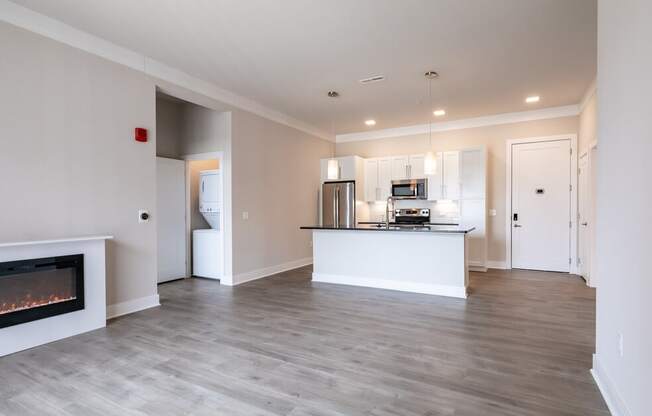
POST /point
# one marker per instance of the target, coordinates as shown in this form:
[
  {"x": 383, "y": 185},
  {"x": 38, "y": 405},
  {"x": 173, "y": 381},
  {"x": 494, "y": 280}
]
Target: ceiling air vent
[{"x": 375, "y": 78}]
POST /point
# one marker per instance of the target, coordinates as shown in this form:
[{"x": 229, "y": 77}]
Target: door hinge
[
  {"x": 579, "y": 261},
  {"x": 570, "y": 224},
  {"x": 570, "y": 261},
  {"x": 571, "y": 151},
  {"x": 570, "y": 188}
]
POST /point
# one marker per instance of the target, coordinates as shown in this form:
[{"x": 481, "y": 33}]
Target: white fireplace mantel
[{"x": 93, "y": 316}]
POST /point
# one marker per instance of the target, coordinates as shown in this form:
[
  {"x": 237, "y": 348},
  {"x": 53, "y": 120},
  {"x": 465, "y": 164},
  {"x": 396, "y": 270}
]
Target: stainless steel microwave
[{"x": 410, "y": 189}]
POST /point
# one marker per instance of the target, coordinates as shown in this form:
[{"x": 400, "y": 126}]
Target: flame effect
[{"x": 28, "y": 302}]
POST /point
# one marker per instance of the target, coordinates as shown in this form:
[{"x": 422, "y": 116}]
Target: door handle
[
  {"x": 517, "y": 226},
  {"x": 336, "y": 217},
  {"x": 585, "y": 224}
]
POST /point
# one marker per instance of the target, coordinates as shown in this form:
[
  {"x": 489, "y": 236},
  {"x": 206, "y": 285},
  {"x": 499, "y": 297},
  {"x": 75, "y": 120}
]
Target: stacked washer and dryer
[{"x": 207, "y": 243}]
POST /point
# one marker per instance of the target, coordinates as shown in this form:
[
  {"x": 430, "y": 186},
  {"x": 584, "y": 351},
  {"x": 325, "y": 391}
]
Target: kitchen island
[{"x": 420, "y": 259}]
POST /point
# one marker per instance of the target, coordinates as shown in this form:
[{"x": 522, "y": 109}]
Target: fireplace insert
[{"x": 39, "y": 288}]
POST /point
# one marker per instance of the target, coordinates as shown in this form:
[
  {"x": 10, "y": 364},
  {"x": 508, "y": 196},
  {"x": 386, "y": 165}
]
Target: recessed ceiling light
[
  {"x": 439, "y": 113},
  {"x": 370, "y": 122},
  {"x": 532, "y": 99}
]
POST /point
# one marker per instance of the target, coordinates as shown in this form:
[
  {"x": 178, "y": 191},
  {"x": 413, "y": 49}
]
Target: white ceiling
[{"x": 286, "y": 54}]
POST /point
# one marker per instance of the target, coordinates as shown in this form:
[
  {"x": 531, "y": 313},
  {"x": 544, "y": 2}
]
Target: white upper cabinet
[
  {"x": 385, "y": 178},
  {"x": 436, "y": 181},
  {"x": 400, "y": 167},
  {"x": 451, "y": 175},
  {"x": 445, "y": 183},
  {"x": 408, "y": 167},
  {"x": 472, "y": 174},
  {"x": 346, "y": 169},
  {"x": 372, "y": 191},
  {"x": 378, "y": 179},
  {"x": 416, "y": 166}
]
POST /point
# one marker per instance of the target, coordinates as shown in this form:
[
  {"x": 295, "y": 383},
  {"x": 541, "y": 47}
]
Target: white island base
[{"x": 422, "y": 262}]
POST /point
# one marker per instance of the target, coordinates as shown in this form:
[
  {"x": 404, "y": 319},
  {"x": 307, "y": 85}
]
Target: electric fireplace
[{"x": 40, "y": 288}]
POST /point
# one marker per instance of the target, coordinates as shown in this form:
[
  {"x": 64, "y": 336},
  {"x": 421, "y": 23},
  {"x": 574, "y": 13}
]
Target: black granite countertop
[{"x": 459, "y": 229}]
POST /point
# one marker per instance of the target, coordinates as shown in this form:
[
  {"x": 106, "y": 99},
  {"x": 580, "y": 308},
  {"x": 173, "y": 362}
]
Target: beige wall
[
  {"x": 493, "y": 137},
  {"x": 623, "y": 207},
  {"x": 588, "y": 125},
  {"x": 72, "y": 167},
  {"x": 276, "y": 180},
  {"x": 68, "y": 160},
  {"x": 169, "y": 125}
]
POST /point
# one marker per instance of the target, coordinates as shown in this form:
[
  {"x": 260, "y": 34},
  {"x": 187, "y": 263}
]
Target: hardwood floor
[{"x": 520, "y": 345}]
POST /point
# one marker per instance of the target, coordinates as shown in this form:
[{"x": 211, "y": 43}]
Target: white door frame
[
  {"x": 219, "y": 156},
  {"x": 508, "y": 195},
  {"x": 590, "y": 278}
]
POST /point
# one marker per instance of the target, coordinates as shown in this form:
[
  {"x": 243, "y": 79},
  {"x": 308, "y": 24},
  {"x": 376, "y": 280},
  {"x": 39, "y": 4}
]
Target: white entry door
[
  {"x": 171, "y": 218},
  {"x": 541, "y": 205},
  {"x": 583, "y": 214}
]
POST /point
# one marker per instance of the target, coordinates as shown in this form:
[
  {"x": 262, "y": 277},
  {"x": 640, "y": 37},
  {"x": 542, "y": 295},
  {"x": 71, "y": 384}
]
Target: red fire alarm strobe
[{"x": 141, "y": 134}]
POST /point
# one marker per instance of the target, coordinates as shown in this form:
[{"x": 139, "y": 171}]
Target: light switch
[
  {"x": 245, "y": 215},
  {"x": 492, "y": 212}
]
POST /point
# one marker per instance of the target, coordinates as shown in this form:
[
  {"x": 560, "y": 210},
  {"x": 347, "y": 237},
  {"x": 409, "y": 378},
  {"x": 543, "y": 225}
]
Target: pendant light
[
  {"x": 333, "y": 166},
  {"x": 430, "y": 161}
]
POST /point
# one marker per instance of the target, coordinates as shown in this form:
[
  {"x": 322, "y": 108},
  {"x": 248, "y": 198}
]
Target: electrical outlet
[
  {"x": 621, "y": 350},
  {"x": 143, "y": 215},
  {"x": 245, "y": 215},
  {"x": 492, "y": 212}
]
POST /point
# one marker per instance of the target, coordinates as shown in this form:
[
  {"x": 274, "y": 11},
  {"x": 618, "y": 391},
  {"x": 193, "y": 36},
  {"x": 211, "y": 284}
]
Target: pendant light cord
[{"x": 430, "y": 115}]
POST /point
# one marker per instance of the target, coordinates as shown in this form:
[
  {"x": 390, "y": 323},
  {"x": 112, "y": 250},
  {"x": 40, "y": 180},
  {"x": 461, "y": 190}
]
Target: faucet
[{"x": 389, "y": 199}]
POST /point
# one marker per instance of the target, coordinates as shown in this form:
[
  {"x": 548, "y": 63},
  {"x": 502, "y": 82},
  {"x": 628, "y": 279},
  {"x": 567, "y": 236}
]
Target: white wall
[
  {"x": 624, "y": 225},
  {"x": 68, "y": 160}
]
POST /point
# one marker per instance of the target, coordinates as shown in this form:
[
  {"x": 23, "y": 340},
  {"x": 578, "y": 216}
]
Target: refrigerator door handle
[{"x": 336, "y": 207}]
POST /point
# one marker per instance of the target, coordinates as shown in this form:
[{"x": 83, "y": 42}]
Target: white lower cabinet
[{"x": 473, "y": 212}]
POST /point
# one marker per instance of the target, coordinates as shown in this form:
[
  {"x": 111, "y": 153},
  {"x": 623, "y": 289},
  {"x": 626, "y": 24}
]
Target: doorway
[
  {"x": 586, "y": 214},
  {"x": 541, "y": 204}
]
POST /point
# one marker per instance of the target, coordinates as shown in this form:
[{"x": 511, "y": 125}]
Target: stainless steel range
[{"x": 412, "y": 216}]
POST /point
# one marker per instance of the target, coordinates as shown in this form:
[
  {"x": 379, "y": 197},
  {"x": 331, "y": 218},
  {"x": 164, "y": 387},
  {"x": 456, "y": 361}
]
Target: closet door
[{"x": 171, "y": 218}]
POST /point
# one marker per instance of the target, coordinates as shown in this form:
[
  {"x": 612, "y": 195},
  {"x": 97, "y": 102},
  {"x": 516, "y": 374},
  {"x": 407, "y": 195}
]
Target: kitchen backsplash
[{"x": 440, "y": 211}]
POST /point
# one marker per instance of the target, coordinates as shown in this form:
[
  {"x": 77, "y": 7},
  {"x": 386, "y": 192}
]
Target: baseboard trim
[
  {"x": 477, "y": 266},
  {"x": 492, "y": 264},
  {"x": 131, "y": 306},
  {"x": 608, "y": 390},
  {"x": 241, "y": 278},
  {"x": 428, "y": 289}
]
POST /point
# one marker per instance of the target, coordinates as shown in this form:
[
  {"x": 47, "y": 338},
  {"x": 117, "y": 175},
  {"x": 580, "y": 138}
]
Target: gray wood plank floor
[{"x": 520, "y": 345}]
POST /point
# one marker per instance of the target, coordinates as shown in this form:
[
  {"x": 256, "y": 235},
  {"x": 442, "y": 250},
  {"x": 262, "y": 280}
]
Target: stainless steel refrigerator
[{"x": 338, "y": 204}]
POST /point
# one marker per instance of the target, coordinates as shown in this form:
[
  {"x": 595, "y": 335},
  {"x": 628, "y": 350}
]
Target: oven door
[{"x": 409, "y": 189}]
